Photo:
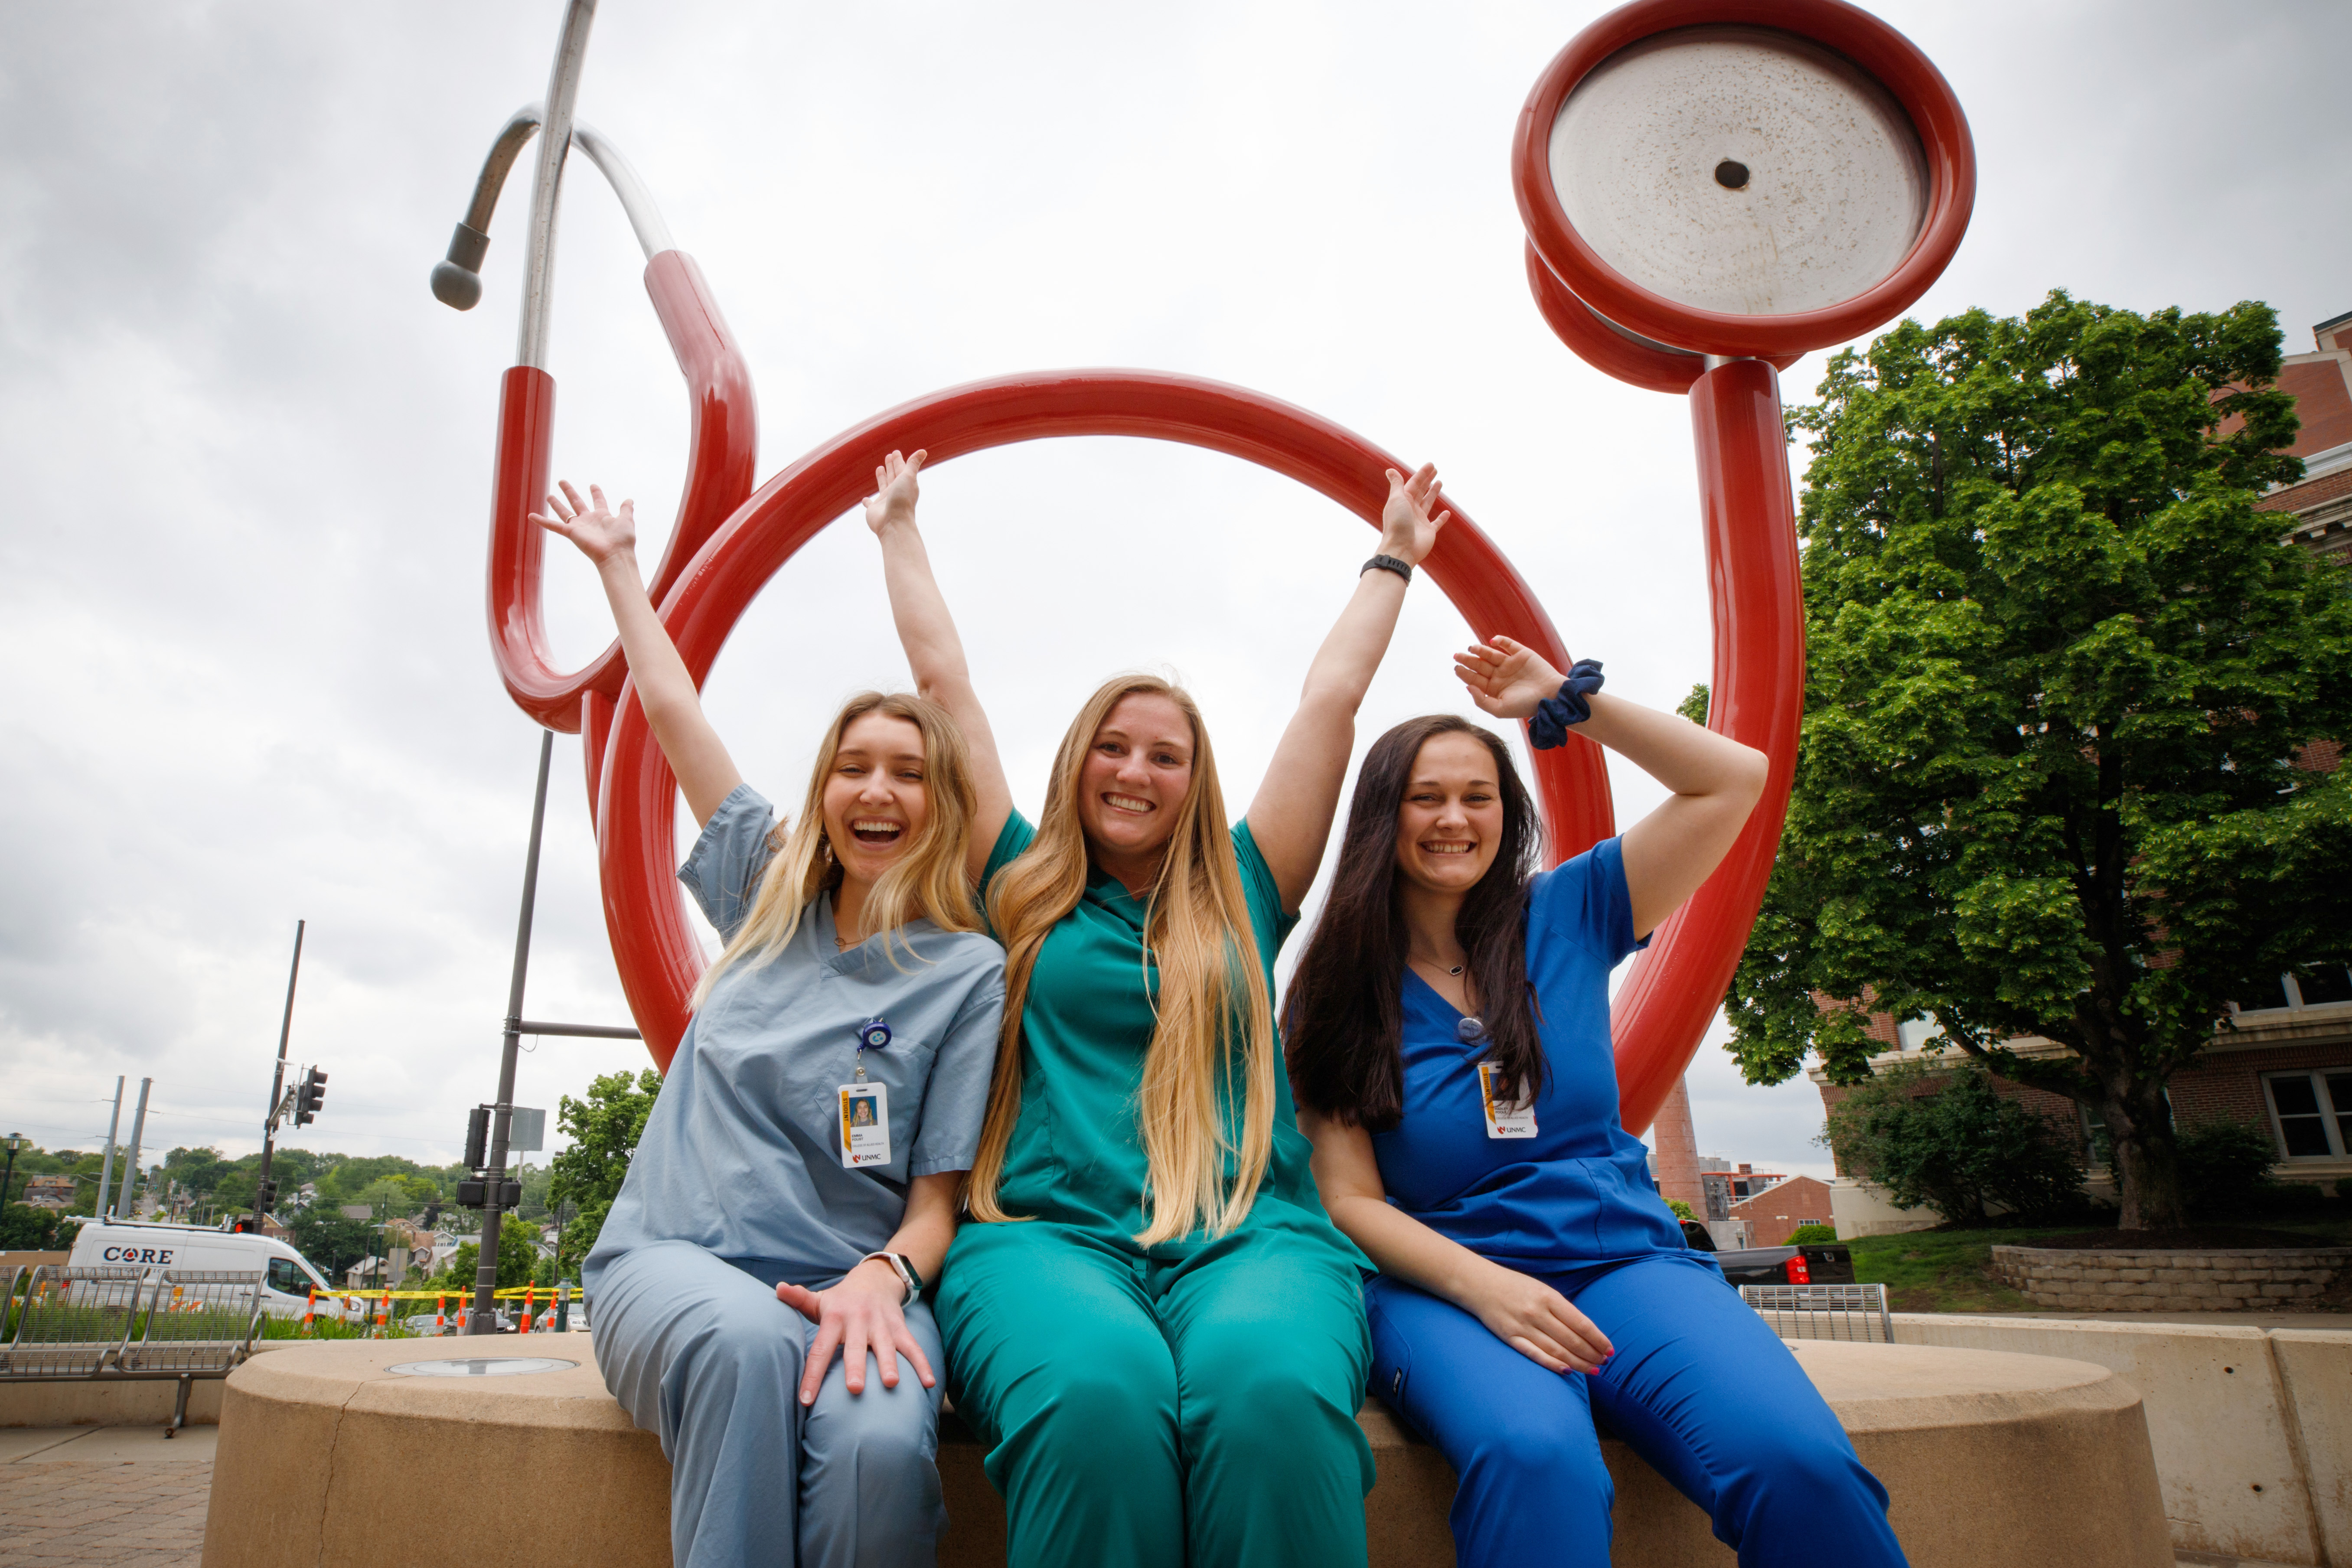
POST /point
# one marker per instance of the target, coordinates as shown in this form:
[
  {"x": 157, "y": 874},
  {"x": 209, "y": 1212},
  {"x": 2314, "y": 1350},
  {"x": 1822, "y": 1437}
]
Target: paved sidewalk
[{"x": 102, "y": 1495}]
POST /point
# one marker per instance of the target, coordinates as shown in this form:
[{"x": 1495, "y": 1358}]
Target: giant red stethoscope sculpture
[{"x": 1709, "y": 190}]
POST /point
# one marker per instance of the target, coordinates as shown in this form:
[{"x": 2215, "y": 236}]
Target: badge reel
[
  {"x": 866, "y": 1105},
  {"x": 1504, "y": 1118}
]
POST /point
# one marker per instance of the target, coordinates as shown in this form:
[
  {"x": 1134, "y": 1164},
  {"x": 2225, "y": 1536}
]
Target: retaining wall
[{"x": 2264, "y": 1280}]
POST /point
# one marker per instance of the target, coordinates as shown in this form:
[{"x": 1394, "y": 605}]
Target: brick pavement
[{"x": 68, "y": 1515}]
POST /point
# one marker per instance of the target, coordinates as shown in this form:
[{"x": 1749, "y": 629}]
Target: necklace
[{"x": 1450, "y": 969}]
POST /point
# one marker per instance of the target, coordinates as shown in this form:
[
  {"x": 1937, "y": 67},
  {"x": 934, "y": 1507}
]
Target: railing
[
  {"x": 1824, "y": 1311},
  {"x": 64, "y": 1323}
]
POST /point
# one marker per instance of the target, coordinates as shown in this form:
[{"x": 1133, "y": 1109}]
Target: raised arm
[
  {"x": 1291, "y": 816},
  {"x": 928, "y": 632},
  {"x": 1716, "y": 780},
  {"x": 704, "y": 771}
]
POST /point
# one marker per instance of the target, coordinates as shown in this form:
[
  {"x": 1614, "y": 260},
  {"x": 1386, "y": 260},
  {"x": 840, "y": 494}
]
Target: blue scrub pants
[
  {"x": 1699, "y": 1387},
  {"x": 701, "y": 1351}
]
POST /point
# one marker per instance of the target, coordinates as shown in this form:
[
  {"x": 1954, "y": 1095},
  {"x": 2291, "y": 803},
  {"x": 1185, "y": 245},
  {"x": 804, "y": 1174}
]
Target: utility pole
[
  {"x": 14, "y": 1141},
  {"x": 137, "y": 1131},
  {"x": 105, "y": 1169},
  {"x": 265, "y": 1191},
  {"x": 483, "y": 1320}
]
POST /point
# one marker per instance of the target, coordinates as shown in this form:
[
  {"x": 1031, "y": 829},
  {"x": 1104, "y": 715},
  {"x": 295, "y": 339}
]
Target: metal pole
[
  {"x": 14, "y": 1139},
  {"x": 486, "y": 1272},
  {"x": 277, "y": 1079},
  {"x": 554, "y": 142},
  {"x": 106, "y": 1170},
  {"x": 130, "y": 1166}
]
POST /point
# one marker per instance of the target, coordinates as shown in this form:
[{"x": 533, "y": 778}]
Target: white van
[{"x": 287, "y": 1277}]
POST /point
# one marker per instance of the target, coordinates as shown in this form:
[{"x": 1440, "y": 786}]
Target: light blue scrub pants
[
  {"x": 1699, "y": 1387},
  {"x": 701, "y": 1351}
]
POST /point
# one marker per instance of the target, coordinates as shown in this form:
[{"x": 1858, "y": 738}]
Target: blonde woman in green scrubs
[{"x": 1155, "y": 1329}]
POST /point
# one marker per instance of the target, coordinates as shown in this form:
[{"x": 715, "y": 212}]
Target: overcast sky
[{"x": 246, "y": 454}]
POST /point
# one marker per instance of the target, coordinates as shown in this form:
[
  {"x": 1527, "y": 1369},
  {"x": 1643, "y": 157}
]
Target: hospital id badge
[
  {"x": 864, "y": 1124},
  {"x": 1502, "y": 1119}
]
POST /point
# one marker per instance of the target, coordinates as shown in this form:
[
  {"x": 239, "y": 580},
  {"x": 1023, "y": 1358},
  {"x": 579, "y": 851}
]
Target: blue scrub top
[
  {"x": 740, "y": 1155},
  {"x": 1579, "y": 1192}
]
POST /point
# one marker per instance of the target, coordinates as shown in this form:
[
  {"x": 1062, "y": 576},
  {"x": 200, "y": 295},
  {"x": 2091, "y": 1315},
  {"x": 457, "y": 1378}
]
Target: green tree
[
  {"x": 604, "y": 1129},
  {"x": 517, "y": 1257},
  {"x": 1956, "y": 1146},
  {"x": 2061, "y": 671},
  {"x": 330, "y": 1239}
]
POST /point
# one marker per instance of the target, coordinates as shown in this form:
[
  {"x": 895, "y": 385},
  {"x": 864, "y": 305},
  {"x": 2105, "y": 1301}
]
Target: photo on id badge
[
  {"x": 1504, "y": 1118},
  {"x": 864, "y": 1124}
]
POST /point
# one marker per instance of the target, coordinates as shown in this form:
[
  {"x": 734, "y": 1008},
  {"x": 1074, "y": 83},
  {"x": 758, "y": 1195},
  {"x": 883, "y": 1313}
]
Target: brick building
[
  {"x": 2286, "y": 1065},
  {"x": 1771, "y": 1215}
]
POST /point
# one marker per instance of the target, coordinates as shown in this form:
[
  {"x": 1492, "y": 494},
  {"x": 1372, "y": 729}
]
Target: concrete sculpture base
[{"x": 326, "y": 1457}]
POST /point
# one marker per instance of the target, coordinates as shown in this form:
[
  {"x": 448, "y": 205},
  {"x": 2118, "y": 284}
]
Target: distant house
[{"x": 47, "y": 1192}]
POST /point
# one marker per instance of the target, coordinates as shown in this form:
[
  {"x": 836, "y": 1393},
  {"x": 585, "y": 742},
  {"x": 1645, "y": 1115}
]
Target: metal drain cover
[{"x": 482, "y": 1366}]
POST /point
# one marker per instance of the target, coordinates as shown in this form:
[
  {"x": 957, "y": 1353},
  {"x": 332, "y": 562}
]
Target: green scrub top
[{"x": 1076, "y": 1154}]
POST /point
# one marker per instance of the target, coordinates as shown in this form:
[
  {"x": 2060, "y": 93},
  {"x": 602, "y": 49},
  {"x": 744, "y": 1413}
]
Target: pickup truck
[{"x": 1826, "y": 1264}]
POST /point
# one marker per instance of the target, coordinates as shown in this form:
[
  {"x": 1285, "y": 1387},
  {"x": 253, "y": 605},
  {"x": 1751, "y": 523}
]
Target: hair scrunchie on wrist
[{"x": 1547, "y": 725}]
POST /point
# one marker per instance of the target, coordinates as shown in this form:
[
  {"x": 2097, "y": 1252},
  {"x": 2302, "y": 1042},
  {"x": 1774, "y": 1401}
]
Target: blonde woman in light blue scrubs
[{"x": 795, "y": 1189}]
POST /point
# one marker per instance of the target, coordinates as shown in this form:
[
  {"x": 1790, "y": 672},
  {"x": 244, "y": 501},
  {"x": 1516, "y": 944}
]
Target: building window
[
  {"x": 2318, "y": 987},
  {"x": 2312, "y": 1113}
]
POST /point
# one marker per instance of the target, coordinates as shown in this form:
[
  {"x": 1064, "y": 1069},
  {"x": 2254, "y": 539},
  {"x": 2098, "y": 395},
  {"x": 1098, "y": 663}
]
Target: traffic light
[
  {"x": 310, "y": 1095},
  {"x": 478, "y": 1138},
  {"x": 473, "y": 1191},
  {"x": 265, "y": 1196}
]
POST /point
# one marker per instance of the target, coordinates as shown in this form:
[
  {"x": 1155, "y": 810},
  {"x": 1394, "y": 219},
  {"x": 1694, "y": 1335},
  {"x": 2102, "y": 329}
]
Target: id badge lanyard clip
[{"x": 865, "y": 1104}]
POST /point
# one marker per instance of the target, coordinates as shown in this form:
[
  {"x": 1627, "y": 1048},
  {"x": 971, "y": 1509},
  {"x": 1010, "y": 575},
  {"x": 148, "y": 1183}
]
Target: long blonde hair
[
  {"x": 1197, "y": 926},
  {"x": 929, "y": 880}
]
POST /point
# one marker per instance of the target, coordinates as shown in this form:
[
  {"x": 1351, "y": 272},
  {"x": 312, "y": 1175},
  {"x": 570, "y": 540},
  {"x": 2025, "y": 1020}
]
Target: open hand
[
  {"x": 1408, "y": 528},
  {"x": 599, "y": 530},
  {"x": 1507, "y": 678},
  {"x": 895, "y": 491},
  {"x": 864, "y": 1311},
  {"x": 1538, "y": 1322}
]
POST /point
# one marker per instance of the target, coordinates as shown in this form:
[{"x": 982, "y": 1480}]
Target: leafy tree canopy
[
  {"x": 1956, "y": 1146},
  {"x": 2060, "y": 672},
  {"x": 604, "y": 1129}
]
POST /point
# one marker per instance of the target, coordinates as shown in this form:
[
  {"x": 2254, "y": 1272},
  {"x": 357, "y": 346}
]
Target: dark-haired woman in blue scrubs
[{"x": 1447, "y": 1034}]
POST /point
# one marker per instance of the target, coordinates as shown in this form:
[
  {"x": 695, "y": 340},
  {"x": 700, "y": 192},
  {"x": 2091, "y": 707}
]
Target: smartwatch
[{"x": 905, "y": 1268}]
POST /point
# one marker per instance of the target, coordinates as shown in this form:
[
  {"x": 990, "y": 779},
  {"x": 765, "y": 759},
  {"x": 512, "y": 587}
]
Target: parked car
[
  {"x": 1822, "y": 1264},
  {"x": 287, "y": 1277}
]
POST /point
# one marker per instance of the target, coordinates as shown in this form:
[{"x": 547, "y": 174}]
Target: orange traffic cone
[{"x": 310, "y": 1315}]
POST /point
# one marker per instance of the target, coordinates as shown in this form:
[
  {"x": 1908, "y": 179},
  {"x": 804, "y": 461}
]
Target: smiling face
[
  {"x": 875, "y": 799},
  {"x": 1138, "y": 771},
  {"x": 1450, "y": 823}
]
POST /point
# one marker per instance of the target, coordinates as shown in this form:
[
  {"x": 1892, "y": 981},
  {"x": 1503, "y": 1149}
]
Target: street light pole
[
  {"x": 264, "y": 1192},
  {"x": 483, "y": 1319},
  {"x": 14, "y": 1141}
]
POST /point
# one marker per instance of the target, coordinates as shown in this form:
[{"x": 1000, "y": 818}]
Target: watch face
[{"x": 1740, "y": 169}]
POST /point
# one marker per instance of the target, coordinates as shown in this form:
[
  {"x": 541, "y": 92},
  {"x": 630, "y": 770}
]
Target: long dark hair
[{"x": 1343, "y": 1019}]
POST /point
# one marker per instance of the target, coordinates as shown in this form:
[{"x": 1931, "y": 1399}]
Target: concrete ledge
[
  {"x": 113, "y": 1402},
  {"x": 2252, "y": 1436},
  {"x": 2021, "y": 1460}
]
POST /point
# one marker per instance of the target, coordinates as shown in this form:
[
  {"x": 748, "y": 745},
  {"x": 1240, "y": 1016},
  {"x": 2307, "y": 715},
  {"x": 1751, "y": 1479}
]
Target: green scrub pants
[{"x": 1144, "y": 1415}]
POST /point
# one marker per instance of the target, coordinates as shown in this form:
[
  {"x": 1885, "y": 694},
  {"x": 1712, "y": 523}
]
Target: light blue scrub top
[
  {"x": 1580, "y": 1191},
  {"x": 740, "y": 1155}
]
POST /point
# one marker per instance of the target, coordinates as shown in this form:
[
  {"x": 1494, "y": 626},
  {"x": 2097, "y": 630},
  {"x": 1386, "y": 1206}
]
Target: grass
[{"x": 1949, "y": 1270}]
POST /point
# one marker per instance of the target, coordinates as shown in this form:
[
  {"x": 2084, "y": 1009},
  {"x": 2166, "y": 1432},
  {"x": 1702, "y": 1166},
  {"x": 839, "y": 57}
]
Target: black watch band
[{"x": 1388, "y": 564}]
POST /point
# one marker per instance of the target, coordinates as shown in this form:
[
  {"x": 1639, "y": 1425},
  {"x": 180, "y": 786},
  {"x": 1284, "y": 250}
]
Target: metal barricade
[
  {"x": 74, "y": 1321},
  {"x": 132, "y": 1323},
  {"x": 1824, "y": 1311}
]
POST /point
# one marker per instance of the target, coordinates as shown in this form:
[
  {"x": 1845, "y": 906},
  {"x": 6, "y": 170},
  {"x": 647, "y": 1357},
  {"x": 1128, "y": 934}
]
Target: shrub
[
  {"x": 2221, "y": 1163},
  {"x": 1682, "y": 1210},
  {"x": 1812, "y": 1234},
  {"x": 1959, "y": 1148},
  {"x": 2283, "y": 1198}
]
